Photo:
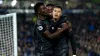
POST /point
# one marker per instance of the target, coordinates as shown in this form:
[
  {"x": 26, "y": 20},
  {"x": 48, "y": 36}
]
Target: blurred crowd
[
  {"x": 78, "y": 6},
  {"x": 86, "y": 31}
]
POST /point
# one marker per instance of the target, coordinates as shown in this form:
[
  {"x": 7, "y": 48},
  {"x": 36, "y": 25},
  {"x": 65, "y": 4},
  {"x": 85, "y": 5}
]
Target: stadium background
[{"x": 84, "y": 15}]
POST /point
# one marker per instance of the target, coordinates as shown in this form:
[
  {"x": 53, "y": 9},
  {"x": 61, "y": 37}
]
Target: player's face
[
  {"x": 42, "y": 9},
  {"x": 57, "y": 12},
  {"x": 49, "y": 10}
]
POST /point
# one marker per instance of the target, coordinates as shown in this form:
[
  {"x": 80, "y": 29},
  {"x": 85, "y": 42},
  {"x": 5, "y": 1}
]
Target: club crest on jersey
[{"x": 40, "y": 28}]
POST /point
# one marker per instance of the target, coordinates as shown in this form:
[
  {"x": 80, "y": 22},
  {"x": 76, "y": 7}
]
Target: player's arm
[
  {"x": 59, "y": 31},
  {"x": 71, "y": 38},
  {"x": 72, "y": 41}
]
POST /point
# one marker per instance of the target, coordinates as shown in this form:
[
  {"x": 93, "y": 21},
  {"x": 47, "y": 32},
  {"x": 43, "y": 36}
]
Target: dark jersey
[
  {"x": 41, "y": 25},
  {"x": 58, "y": 43},
  {"x": 69, "y": 36},
  {"x": 56, "y": 25},
  {"x": 42, "y": 43}
]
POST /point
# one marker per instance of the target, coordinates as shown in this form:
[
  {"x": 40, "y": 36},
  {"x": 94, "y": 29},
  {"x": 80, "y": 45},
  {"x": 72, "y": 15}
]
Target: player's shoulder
[
  {"x": 34, "y": 17},
  {"x": 63, "y": 18}
]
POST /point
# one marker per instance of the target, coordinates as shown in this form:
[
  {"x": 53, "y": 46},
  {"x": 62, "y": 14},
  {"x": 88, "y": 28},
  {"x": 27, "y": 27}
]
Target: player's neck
[
  {"x": 55, "y": 19},
  {"x": 41, "y": 17}
]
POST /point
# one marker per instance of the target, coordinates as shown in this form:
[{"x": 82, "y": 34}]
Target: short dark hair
[
  {"x": 37, "y": 6},
  {"x": 50, "y": 5},
  {"x": 57, "y": 6}
]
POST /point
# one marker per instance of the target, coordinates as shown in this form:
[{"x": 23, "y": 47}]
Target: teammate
[
  {"x": 58, "y": 43},
  {"x": 43, "y": 45},
  {"x": 49, "y": 9},
  {"x": 58, "y": 25}
]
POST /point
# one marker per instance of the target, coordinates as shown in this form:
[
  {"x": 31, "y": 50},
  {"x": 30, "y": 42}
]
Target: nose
[{"x": 56, "y": 13}]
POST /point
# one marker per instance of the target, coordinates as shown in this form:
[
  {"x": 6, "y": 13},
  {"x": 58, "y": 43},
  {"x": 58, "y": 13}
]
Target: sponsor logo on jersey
[{"x": 40, "y": 28}]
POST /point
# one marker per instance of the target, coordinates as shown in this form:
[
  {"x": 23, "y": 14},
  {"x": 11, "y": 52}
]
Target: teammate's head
[
  {"x": 39, "y": 8},
  {"x": 49, "y": 9},
  {"x": 57, "y": 12}
]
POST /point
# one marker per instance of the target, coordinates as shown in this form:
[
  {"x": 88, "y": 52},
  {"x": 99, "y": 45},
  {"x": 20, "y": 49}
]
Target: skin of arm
[{"x": 59, "y": 31}]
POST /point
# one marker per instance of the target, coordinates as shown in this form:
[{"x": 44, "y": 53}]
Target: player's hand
[
  {"x": 65, "y": 26},
  {"x": 69, "y": 24}
]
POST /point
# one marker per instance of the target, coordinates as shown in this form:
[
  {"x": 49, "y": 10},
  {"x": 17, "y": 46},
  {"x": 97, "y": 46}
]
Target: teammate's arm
[
  {"x": 71, "y": 38},
  {"x": 59, "y": 31},
  {"x": 73, "y": 42}
]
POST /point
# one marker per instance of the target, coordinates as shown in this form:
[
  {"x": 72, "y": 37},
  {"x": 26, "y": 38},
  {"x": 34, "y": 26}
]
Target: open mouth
[{"x": 56, "y": 15}]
